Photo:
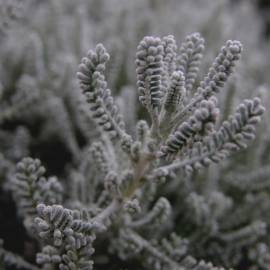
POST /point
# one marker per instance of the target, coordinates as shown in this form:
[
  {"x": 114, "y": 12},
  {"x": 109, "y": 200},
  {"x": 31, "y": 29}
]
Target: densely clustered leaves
[
  {"x": 92, "y": 81},
  {"x": 30, "y": 188},
  {"x": 189, "y": 59},
  {"x": 115, "y": 189}
]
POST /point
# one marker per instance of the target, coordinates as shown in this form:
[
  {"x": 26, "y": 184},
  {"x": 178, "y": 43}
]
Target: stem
[
  {"x": 182, "y": 113},
  {"x": 177, "y": 165},
  {"x": 107, "y": 212},
  {"x": 153, "y": 250},
  {"x": 139, "y": 171},
  {"x": 155, "y": 132}
]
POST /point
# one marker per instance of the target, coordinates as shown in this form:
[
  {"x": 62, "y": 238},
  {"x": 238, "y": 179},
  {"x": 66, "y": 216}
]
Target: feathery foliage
[{"x": 130, "y": 193}]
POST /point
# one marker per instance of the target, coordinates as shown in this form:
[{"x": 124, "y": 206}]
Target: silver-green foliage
[
  {"x": 220, "y": 206},
  {"x": 125, "y": 172}
]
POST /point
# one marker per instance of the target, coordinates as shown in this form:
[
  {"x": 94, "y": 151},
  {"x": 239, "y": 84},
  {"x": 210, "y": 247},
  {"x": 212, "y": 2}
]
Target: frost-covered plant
[
  {"x": 36, "y": 77},
  {"x": 211, "y": 209},
  {"x": 115, "y": 191}
]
